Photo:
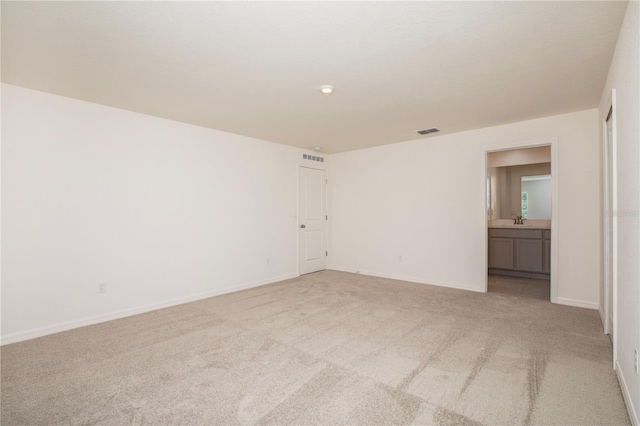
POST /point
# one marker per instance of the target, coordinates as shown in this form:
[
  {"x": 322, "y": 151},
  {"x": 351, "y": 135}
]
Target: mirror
[
  {"x": 519, "y": 190},
  {"x": 536, "y": 197}
]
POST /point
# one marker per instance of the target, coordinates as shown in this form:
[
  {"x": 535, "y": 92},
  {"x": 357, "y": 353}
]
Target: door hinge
[
  {"x": 326, "y": 217},
  {"x": 326, "y": 253},
  {"x": 326, "y": 181}
]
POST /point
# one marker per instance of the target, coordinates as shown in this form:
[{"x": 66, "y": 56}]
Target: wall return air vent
[
  {"x": 312, "y": 158},
  {"x": 427, "y": 131}
]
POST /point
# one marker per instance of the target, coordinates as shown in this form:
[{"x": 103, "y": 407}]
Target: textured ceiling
[{"x": 254, "y": 68}]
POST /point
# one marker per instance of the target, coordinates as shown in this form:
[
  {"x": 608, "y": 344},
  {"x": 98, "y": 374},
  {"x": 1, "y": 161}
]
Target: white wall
[
  {"x": 424, "y": 200},
  {"x": 623, "y": 76},
  {"x": 161, "y": 211}
]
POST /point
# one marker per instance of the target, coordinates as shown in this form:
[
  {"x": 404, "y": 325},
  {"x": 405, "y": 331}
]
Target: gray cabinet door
[
  {"x": 547, "y": 256},
  {"x": 529, "y": 255},
  {"x": 501, "y": 253}
]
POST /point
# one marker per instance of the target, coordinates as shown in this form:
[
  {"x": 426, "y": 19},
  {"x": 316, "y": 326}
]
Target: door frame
[
  {"x": 306, "y": 164},
  {"x": 553, "y": 143},
  {"x": 610, "y": 247}
]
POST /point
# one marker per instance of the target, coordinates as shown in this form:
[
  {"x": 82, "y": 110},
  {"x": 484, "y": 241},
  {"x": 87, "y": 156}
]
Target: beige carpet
[{"x": 326, "y": 348}]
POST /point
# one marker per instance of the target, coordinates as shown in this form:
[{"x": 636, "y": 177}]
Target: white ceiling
[{"x": 254, "y": 68}]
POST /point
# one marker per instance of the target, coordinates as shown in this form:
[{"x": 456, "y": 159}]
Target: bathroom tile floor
[{"x": 520, "y": 287}]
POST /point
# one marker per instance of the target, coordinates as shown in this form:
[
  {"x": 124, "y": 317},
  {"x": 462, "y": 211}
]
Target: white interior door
[{"x": 312, "y": 218}]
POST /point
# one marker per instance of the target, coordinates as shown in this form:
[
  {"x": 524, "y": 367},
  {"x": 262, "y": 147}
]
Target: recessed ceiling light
[
  {"x": 317, "y": 148},
  {"x": 326, "y": 89}
]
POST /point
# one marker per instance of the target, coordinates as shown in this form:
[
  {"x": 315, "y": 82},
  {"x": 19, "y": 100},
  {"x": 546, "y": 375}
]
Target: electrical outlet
[
  {"x": 268, "y": 260},
  {"x": 399, "y": 258},
  {"x": 102, "y": 287},
  {"x": 635, "y": 360}
]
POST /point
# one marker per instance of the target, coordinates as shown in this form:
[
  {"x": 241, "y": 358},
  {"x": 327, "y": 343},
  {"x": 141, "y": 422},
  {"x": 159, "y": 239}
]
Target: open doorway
[
  {"x": 608, "y": 288},
  {"x": 520, "y": 200}
]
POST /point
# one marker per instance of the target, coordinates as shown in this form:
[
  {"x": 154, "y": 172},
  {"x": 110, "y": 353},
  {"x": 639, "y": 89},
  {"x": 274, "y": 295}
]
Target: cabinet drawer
[{"x": 515, "y": 233}]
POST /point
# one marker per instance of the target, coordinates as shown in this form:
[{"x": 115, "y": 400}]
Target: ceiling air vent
[{"x": 427, "y": 131}]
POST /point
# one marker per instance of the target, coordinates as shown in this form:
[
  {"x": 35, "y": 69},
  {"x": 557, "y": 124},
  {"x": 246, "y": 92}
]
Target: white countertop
[
  {"x": 525, "y": 226},
  {"x": 528, "y": 224}
]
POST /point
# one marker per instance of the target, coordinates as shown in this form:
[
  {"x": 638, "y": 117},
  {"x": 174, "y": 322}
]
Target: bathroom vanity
[{"x": 520, "y": 250}]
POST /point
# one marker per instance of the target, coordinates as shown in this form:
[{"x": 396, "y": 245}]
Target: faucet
[{"x": 518, "y": 220}]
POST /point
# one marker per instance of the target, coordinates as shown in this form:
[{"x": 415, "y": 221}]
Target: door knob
[{"x": 302, "y": 226}]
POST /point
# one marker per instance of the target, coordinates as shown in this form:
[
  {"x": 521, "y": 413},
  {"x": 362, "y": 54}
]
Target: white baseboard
[
  {"x": 69, "y": 325},
  {"x": 601, "y": 315},
  {"x": 633, "y": 415},
  {"x": 406, "y": 278},
  {"x": 577, "y": 303}
]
